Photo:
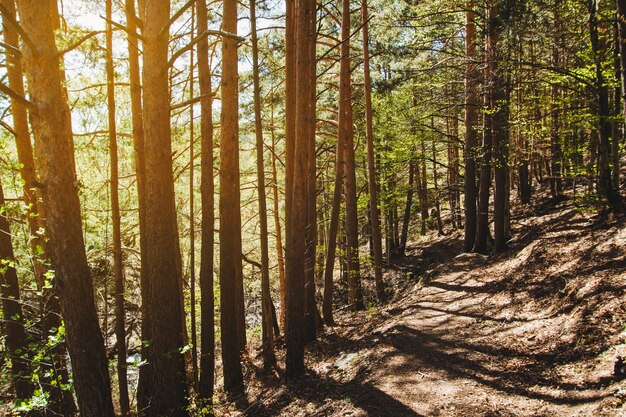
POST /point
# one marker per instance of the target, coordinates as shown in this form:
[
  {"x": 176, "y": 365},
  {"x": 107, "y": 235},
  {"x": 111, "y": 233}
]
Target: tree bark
[
  {"x": 355, "y": 292},
  {"x": 207, "y": 191},
  {"x": 54, "y": 372},
  {"x": 15, "y": 333},
  {"x": 407, "y": 210},
  {"x": 304, "y": 13},
  {"x": 231, "y": 274},
  {"x": 482, "y": 226},
  {"x": 471, "y": 122},
  {"x": 51, "y": 122},
  {"x": 118, "y": 267},
  {"x": 165, "y": 380},
  {"x": 269, "y": 358},
  {"x": 371, "y": 160}
]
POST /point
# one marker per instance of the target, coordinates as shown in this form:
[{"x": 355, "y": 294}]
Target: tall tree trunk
[
  {"x": 355, "y": 293},
  {"x": 54, "y": 372},
  {"x": 311, "y": 313},
  {"x": 482, "y": 227},
  {"x": 333, "y": 228},
  {"x": 269, "y": 358},
  {"x": 424, "y": 190},
  {"x": 371, "y": 160},
  {"x": 140, "y": 173},
  {"x": 303, "y": 13},
  {"x": 436, "y": 191},
  {"x": 280, "y": 254},
  {"x": 407, "y": 209},
  {"x": 165, "y": 382},
  {"x": 231, "y": 273},
  {"x": 15, "y": 333},
  {"x": 556, "y": 183},
  {"x": 598, "y": 46},
  {"x": 118, "y": 267},
  {"x": 207, "y": 192},
  {"x": 499, "y": 118},
  {"x": 192, "y": 216},
  {"x": 51, "y": 123}
]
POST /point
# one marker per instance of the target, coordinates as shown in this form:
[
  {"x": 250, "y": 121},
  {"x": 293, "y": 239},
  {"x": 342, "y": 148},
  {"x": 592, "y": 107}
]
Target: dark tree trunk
[
  {"x": 407, "y": 209},
  {"x": 14, "y": 331}
]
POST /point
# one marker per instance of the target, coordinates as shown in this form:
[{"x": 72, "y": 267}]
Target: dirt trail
[{"x": 533, "y": 332}]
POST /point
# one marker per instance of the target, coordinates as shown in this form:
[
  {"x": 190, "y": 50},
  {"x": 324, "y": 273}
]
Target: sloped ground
[{"x": 533, "y": 332}]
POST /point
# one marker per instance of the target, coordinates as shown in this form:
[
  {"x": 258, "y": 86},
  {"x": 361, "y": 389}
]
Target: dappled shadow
[{"x": 317, "y": 391}]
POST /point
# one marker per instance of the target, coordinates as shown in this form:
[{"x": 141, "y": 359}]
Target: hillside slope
[{"x": 533, "y": 332}]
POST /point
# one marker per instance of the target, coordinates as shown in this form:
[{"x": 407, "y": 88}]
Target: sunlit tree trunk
[
  {"x": 54, "y": 371},
  {"x": 299, "y": 195},
  {"x": 207, "y": 191},
  {"x": 51, "y": 123},
  {"x": 371, "y": 160},
  {"x": 118, "y": 267},
  {"x": 269, "y": 358},
  {"x": 346, "y": 130},
  {"x": 165, "y": 380},
  {"x": 231, "y": 274}
]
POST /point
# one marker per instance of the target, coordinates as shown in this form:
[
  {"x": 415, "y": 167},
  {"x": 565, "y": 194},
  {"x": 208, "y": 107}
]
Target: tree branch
[
  {"x": 122, "y": 27},
  {"x": 8, "y": 17},
  {"x": 21, "y": 99},
  {"x": 80, "y": 42},
  {"x": 197, "y": 39}
]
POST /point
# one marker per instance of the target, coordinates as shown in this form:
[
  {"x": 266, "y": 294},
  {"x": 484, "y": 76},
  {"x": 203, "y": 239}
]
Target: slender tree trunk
[
  {"x": 207, "y": 192},
  {"x": 311, "y": 313},
  {"x": 192, "y": 216},
  {"x": 14, "y": 331},
  {"x": 482, "y": 227},
  {"x": 333, "y": 228},
  {"x": 51, "y": 123},
  {"x": 605, "y": 184},
  {"x": 499, "y": 118},
  {"x": 556, "y": 183},
  {"x": 424, "y": 190},
  {"x": 280, "y": 255},
  {"x": 269, "y": 358},
  {"x": 436, "y": 190},
  {"x": 371, "y": 160},
  {"x": 231, "y": 274},
  {"x": 165, "y": 382},
  {"x": 118, "y": 267},
  {"x": 355, "y": 293},
  {"x": 471, "y": 123},
  {"x": 140, "y": 172},
  {"x": 407, "y": 209}
]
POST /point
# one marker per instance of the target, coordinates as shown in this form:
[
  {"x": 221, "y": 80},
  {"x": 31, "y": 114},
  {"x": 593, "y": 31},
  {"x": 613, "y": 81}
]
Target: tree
[
  {"x": 371, "y": 159},
  {"x": 55, "y": 370},
  {"x": 207, "y": 191},
  {"x": 51, "y": 122},
  {"x": 164, "y": 381},
  {"x": 301, "y": 15},
  {"x": 355, "y": 296},
  {"x": 16, "y": 342},
  {"x": 471, "y": 121},
  {"x": 118, "y": 267},
  {"x": 269, "y": 358},
  {"x": 231, "y": 274}
]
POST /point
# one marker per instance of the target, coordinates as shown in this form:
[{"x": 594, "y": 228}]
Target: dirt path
[{"x": 534, "y": 332}]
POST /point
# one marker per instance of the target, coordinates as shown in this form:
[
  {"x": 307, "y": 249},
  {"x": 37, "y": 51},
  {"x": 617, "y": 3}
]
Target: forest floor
[{"x": 535, "y": 331}]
